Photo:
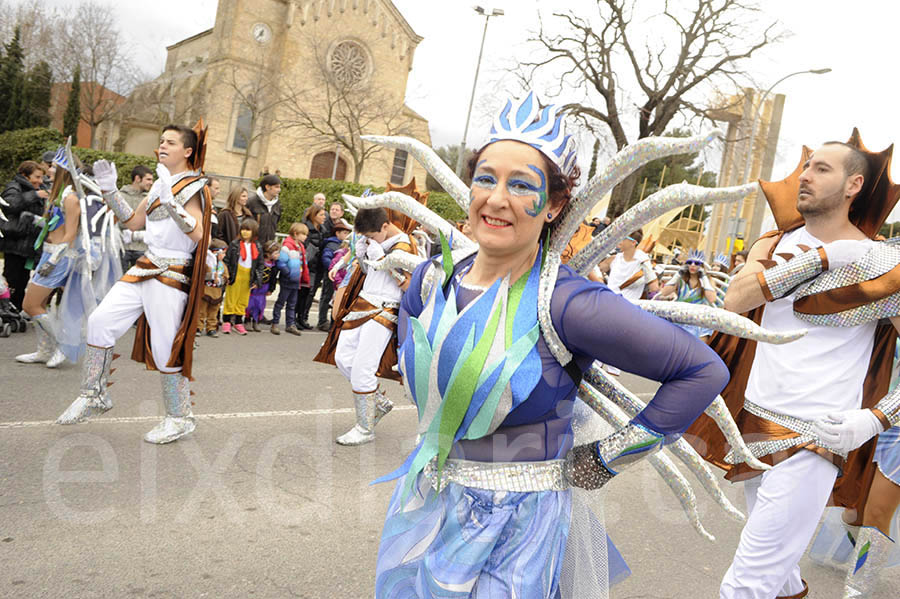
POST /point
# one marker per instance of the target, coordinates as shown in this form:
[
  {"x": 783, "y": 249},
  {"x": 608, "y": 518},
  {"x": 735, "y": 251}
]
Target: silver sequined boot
[
  {"x": 179, "y": 420},
  {"x": 872, "y": 551},
  {"x": 46, "y": 343},
  {"x": 370, "y": 409},
  {"x": 93, "y": 398}
]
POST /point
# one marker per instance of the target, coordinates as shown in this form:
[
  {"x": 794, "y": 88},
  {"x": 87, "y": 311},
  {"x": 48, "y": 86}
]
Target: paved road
[{"x": 259, "y": 501}]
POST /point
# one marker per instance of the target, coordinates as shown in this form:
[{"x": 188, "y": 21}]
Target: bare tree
[
  {"x": 682, "y": 54},
  {"x": 342, "y": 105}
]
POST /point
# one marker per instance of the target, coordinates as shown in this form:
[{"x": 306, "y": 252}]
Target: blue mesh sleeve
[{"x": 593, "y": 321}]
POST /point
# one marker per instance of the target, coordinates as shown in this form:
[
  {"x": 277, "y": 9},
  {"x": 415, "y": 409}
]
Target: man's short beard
[{"x": 821, "y": 207}]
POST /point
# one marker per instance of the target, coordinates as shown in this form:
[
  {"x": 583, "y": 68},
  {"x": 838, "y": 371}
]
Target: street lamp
[
  {"x": 727, "y": 226},
  {"x": 487, "y": 14}
]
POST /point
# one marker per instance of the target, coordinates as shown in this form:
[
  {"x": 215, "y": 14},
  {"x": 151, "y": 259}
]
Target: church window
[
  {"x": 349, "y": 63},
  {"x": 398, "y": 172},
  {"x": 242, "y": 128},
  {"x": 323, "y": 166}
]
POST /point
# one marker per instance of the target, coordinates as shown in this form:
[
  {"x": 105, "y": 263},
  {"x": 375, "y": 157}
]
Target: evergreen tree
[
  {"x": 73, "y": 108},
  {"x": 40, "y": 79},
  {"x": 12, "y": 73}
]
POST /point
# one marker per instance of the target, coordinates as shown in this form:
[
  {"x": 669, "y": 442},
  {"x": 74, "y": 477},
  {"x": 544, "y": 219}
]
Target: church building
[{"x": 289, "y": 85}]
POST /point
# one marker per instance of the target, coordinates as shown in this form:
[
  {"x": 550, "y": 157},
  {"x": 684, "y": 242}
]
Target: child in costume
[
  {"x": 367, "y": 330},
  {"x": 73, "y": 260},
  {"x": 294, "y": 272},
  {"x": 162, "y": 291},
  {"x": 213, "y": 290},
  {"x": 256, "y": 305},
  {"x": 244, "y": 261}
]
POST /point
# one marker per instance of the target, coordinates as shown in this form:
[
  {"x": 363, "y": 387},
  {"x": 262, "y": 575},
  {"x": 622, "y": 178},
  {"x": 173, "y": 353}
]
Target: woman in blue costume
[
  {"x": 691, "y": 285},
  {"x": 73, "y": 260},
  {"x": 484, "y": 505}
]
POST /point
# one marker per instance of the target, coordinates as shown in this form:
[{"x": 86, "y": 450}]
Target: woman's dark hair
[
  {"x": 188, "y": 138},
  {"x": 27, "y": 168},
  {"x": 559, "y": 186},
  {"x": 252, "y": 226},
  {"x": 370, "y": 220},
  {"x": 311, "y": 213}
]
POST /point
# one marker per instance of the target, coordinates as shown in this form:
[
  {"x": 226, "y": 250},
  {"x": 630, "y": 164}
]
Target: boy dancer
[
  {"x": 163, "y": 289},
  {"x": 367, "y": 330}
]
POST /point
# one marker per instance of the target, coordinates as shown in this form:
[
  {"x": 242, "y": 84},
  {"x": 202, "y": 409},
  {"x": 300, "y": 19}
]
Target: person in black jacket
[
  {"x": 244, "y": 261},
  {"x": 26, "y": 204},
  {"x": 314, "y": 219},
  {"x": 342, "y": 230},
  {"x": 266, "y": 207}
]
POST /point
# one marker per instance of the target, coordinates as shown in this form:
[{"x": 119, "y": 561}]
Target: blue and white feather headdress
[
  {"x": 542, "y": 127},
  {"x": 722, "y": 260},
  {"x": 697, "y": 256}
]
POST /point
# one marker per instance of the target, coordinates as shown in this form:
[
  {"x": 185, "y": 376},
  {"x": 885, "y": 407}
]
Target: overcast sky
[{"x": 856, "y": 40}]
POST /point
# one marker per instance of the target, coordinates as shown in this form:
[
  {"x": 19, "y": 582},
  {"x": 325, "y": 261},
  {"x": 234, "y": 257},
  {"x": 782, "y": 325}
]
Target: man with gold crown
[
  {"x": 811, "y": 408},
  {"x": 162, "y": 291}
]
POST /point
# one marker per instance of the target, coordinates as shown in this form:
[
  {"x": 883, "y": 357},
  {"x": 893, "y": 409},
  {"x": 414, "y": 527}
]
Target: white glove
[
  {"x": 165, "y": 184},
  {"x": 126, "y": 236},
  {"x": 846, "y": 431},
  {"x": 362, "y": 245},
  {"x": 845, "y": 251},
  {"x": 705, "y": 284},
  {"x": 52, "y": 262},
  {"x": 375, "y": 251},
  {"x": 105, "y": 175}
]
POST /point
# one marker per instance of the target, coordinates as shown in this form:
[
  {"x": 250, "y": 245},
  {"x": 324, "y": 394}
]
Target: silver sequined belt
[
  {"x": 162, "y": 268},
  {"x": 513, "y": 477},
  {"x": 803, "y": 428}
]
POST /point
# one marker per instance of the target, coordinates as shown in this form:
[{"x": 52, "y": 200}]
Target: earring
[{"x": 549, "y": 215}]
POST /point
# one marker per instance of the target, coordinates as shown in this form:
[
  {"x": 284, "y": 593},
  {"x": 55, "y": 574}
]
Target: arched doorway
[{"x": 323, "y": 165}]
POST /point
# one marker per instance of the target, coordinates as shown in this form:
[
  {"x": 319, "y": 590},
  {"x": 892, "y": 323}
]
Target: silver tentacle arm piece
[
  {"x": 118, "y": 206},
  {"x": 679, "y": 485},
  {"x": 186, "y": 223},
  {"x": 428, "y": 158},
  {"x": 719, "y": 320},
  {"x": 782, "y": 279},
  {"x": 625, "y": 162},
  {"x": 664, "y": 200},
  {"x": 396, "y": 261},
  {"x": 718, "y": 411},
  {"x": 416, "y": 211},
  {"x": 888, "y": 409},
  {"x": 616, "y": 393}
]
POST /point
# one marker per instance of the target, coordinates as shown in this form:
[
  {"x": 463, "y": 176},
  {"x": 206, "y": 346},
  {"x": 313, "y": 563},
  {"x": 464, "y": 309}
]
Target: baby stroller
[{"x": 11, "y": 321}]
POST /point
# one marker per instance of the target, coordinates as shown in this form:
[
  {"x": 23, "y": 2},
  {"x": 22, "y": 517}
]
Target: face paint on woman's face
[{"x": 519, "y": 186}]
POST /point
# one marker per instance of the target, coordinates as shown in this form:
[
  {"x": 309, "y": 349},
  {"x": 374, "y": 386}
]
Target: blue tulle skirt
[{"x": 465, "y": 542}]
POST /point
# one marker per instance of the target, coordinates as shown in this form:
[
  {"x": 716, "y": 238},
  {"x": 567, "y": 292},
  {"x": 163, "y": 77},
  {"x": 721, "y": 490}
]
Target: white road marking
[{"x": 222, "y": 416}]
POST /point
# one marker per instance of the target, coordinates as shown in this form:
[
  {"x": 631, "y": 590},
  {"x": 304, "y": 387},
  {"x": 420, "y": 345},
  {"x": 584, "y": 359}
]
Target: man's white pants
[
  {"x": 359, "y": 352},
  {"x": 162, "y": 305},
  {"x": 784, "y": 505}
]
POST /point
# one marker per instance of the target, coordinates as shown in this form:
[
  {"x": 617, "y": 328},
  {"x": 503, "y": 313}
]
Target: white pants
[
  {"x": 784, "y": 505},
  {"x": 359, "y": 352},
  {"x": 162, "y": 305}
]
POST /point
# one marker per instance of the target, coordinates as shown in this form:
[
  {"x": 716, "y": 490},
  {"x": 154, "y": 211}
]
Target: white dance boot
[
  {"x": 93, "y": 398},
  {"x": 179, "y": 420},
  {"x": 46, "y": 343},
  {"x": 370, "y": 409}
]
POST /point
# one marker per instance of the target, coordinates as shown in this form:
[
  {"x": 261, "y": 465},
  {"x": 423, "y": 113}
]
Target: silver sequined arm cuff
[
  {"x": 888, "y": 409},
  {"x": 185, "y": 221},
  {"x": 779, "y": 281},
  {"x": 119, "y": 206},
  {"x": 592, "y": 465}
]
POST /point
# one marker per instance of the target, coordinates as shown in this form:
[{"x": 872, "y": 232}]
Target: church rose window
[{"x": 349, "y": 63}]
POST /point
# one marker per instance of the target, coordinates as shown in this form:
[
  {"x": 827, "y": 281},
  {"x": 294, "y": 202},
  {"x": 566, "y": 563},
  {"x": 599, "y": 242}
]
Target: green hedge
[
  {"x": 25, "y": 144},
  {"x": 30, "y": 144},
  {"x": 297, "y": 194}
]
